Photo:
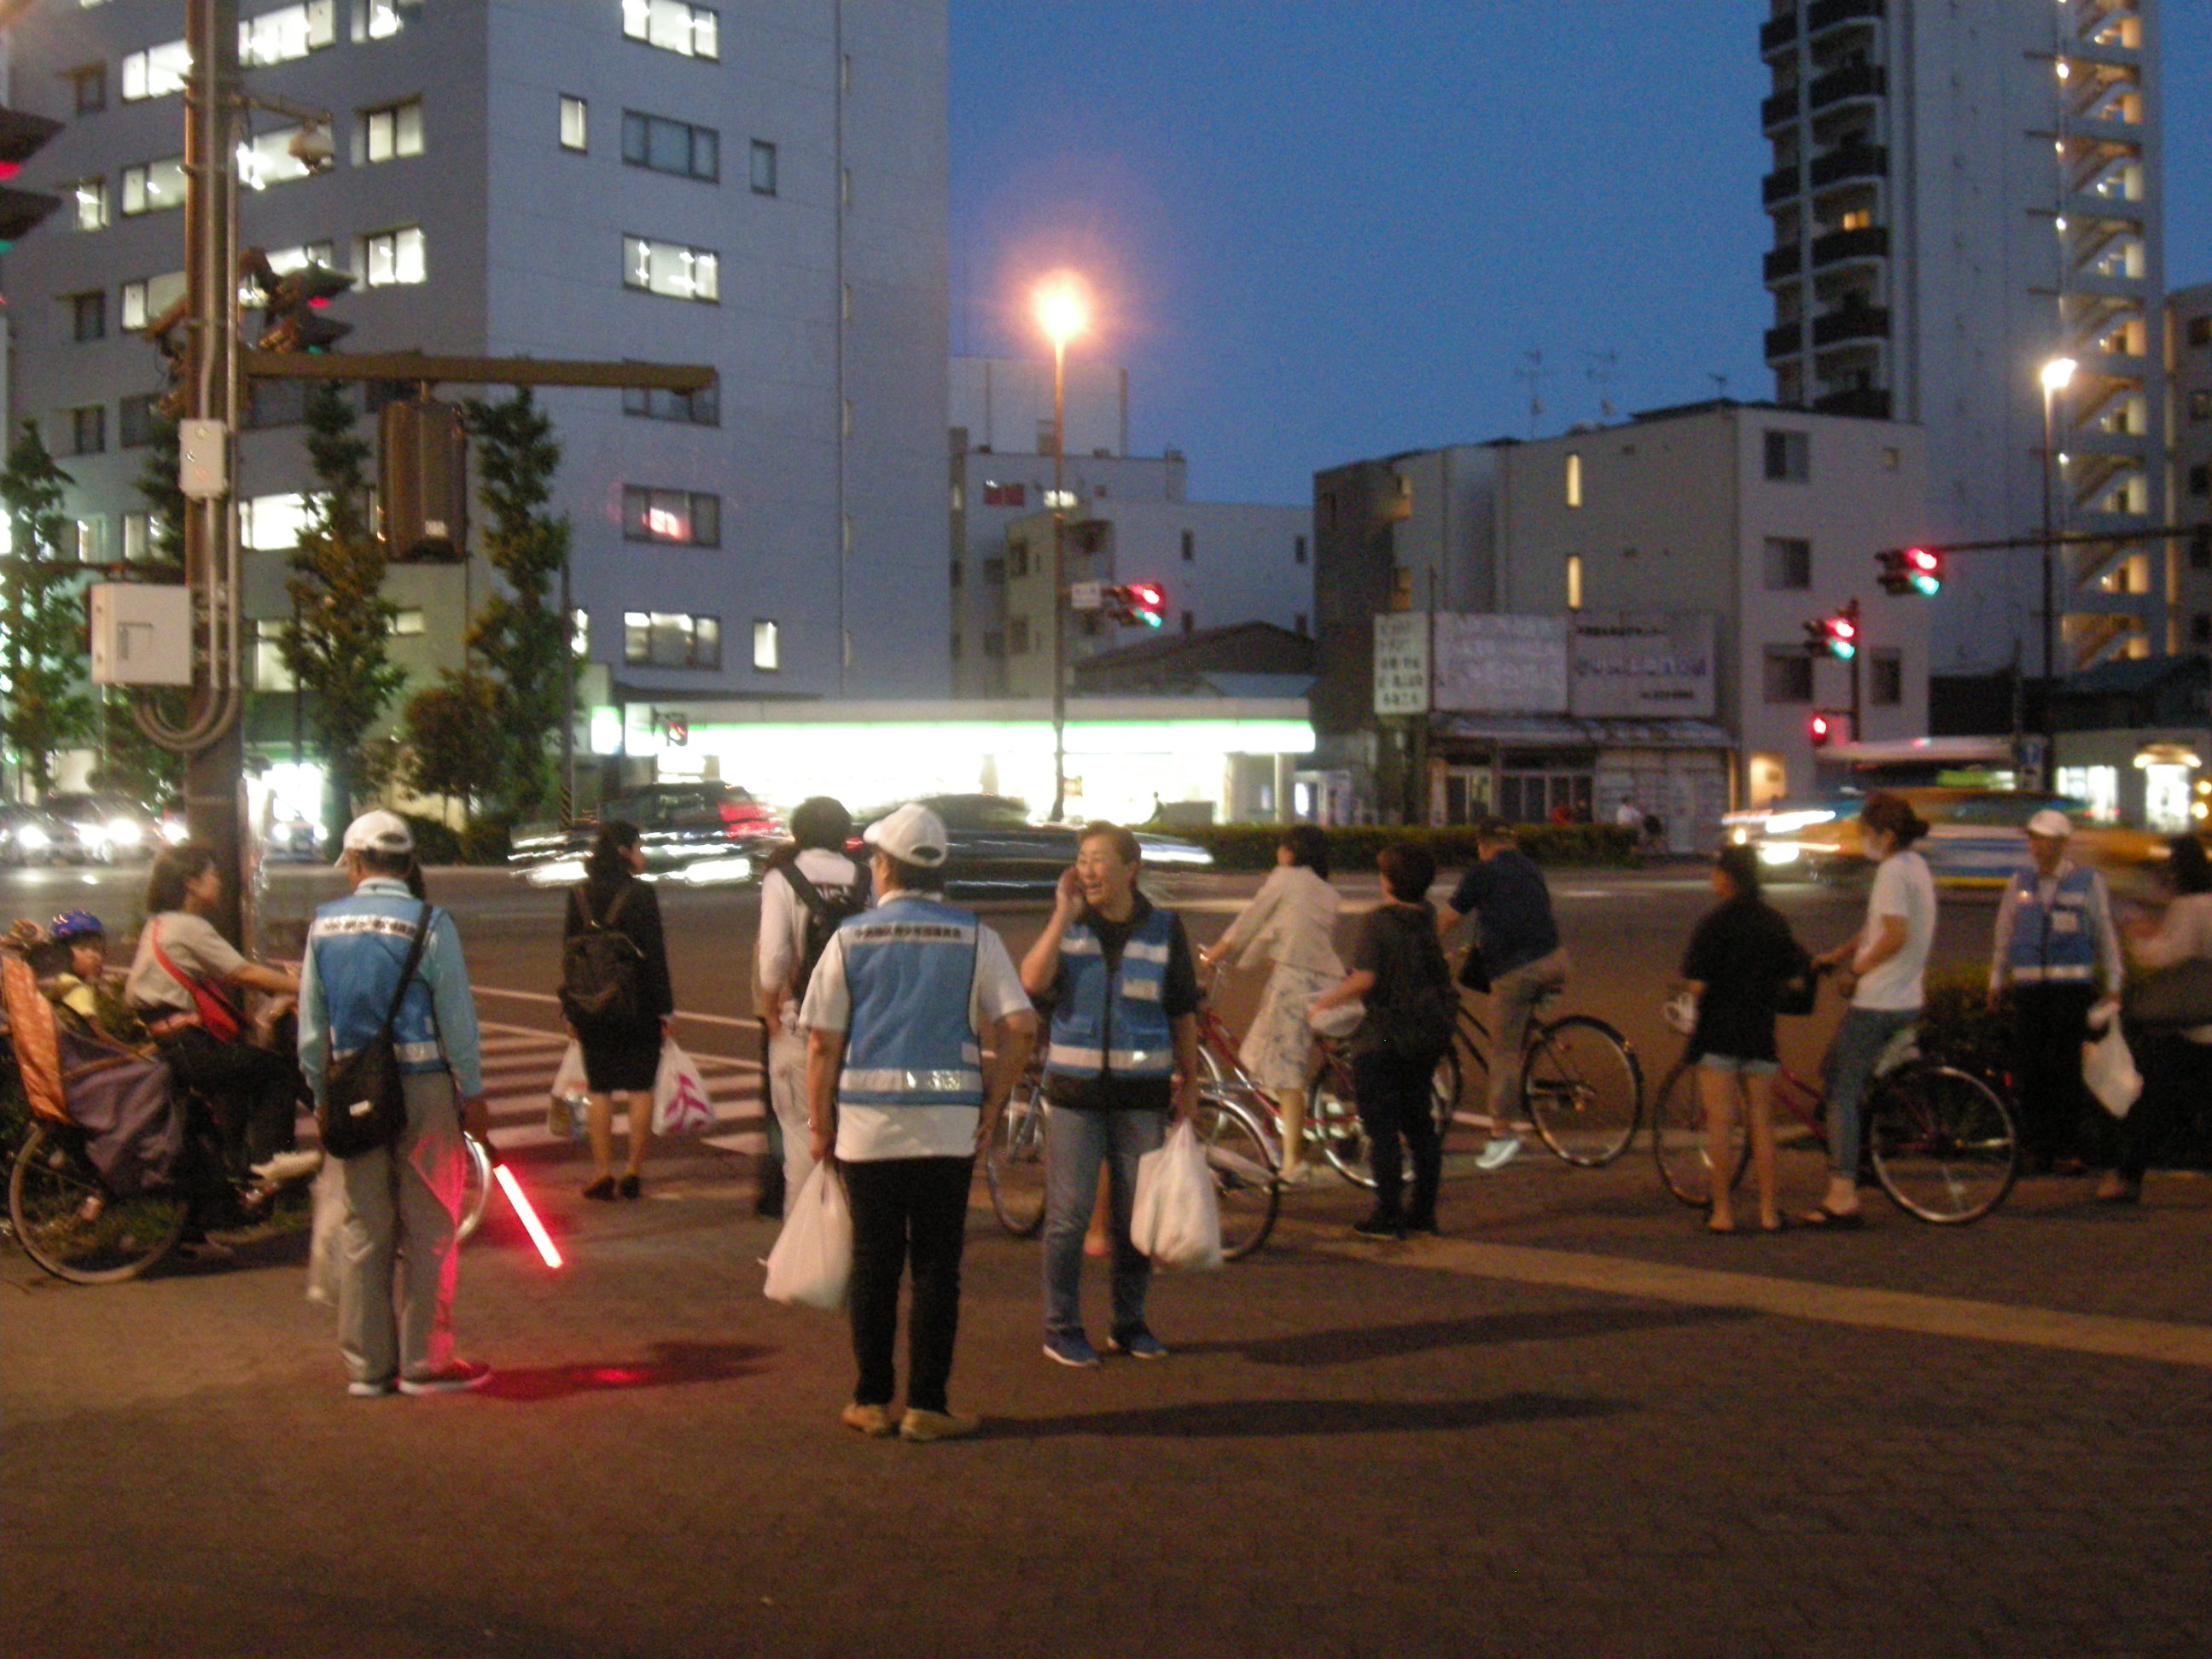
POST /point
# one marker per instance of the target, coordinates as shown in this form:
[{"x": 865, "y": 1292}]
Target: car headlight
[
  {"x": 92, "y": 835},
  {"x": 702, "y": 873},
  {"x": 125, "y": 833},
  {"x": 1779, "y": 851},
  {"x": 33, "y": 838}
]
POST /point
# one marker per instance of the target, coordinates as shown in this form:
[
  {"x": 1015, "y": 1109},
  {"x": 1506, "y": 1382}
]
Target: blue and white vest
[
  {"x": 2054, "y": 944},
  {"x": 911, "y": 969},
  {"x": 1114, "y": 1024},
  {"x": 360, "y": 944}
]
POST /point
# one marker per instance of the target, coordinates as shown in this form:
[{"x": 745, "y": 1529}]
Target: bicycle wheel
[
  {"x": 1333, "y": 1119},
  {"x": 1244, "y": 1183},
  {"x": 475, "y": 1188},
  {"x": 1461, "y": 1091},
  {"x": 1583, "y": 1090},
  {"x": 71, "y": 1225},
  {"x": 1013, "y": 1160},
  {"x": 1678, "y": 1140},
  {"x": 1942, "y": 1143}
]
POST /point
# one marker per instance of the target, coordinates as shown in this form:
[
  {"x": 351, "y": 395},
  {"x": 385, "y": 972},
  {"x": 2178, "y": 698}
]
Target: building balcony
[
  {"x": 1868, "y": 242},
  {"x": 1780, "y": 184},
  {"x": 1852, "y": 80},
  {"x": 1851, "y": 161},
  {"x": 1778, "y": 33},
  {"x": 1868, "y": 402},
  {"x": 1779, "y": 109},
  {"x": 1782, "y": 262},
  {"x": 1850, "y": 323},
  {"x": 1824, "y": 15},
  {"x": 1785, "y": 340}
]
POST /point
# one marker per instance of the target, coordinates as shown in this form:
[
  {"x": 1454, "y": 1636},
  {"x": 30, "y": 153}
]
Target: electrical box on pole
[
  {"x": 202, "y": 460},
  {"x": 142, "y": 633},
  {"x": 422, "y": 482}
]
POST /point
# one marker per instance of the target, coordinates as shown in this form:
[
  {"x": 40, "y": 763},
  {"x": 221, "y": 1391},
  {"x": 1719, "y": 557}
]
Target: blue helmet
[{"x": 73, "y": 925}]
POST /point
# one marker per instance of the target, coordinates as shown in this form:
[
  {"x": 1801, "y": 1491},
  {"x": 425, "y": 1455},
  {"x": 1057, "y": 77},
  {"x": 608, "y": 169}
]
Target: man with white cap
[
  {"x": 2054, "y": 941},
  {"x": 403, "y": 1200},
  {"x": 895, "y": 1015}
]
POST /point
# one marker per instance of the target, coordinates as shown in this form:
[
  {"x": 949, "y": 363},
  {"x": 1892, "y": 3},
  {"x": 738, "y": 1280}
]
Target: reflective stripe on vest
[
  {"x": 1114, "y": 1023},
  {"x": 910, "y": 970},
  {"x": 2054, "y": 944}
]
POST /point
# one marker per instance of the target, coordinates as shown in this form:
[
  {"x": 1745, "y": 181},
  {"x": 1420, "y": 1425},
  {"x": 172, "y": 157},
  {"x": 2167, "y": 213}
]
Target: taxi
[{"x": 1976, "y": 838}]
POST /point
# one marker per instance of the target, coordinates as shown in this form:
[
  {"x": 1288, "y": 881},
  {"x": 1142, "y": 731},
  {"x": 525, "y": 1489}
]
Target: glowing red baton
[{"x": 530, "y": 1224}]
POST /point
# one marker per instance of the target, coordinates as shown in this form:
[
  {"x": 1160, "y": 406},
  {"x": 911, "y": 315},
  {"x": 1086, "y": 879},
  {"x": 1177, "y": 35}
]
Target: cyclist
[
  {"x": 181, "y": 983},
  {"x": 1516, "y": 958},
  {"x": 1884, "y": 974}
]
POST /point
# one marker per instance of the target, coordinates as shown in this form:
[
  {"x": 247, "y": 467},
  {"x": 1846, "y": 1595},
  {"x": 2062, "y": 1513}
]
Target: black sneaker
[
  {"x": 1379, "y": 1226},
  {"x": 1423, "y": 1223}
]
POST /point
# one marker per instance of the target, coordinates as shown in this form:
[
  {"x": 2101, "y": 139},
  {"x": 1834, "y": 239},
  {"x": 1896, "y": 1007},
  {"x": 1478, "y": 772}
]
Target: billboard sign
[
  {"x": 1401, "y": 662},
  {"x": 1642, "y": 665},
  {"x": 1493, "y": 664}
]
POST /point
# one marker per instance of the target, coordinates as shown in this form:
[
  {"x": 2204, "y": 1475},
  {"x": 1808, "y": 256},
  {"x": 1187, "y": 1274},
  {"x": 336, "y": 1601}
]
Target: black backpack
[
  {"x": 1420, "y": 1017},
  {"x": 602, "y": 969},
  {"x": 825, "y": 914}
]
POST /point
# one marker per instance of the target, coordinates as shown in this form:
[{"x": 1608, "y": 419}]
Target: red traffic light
[
  {"x": 1819, "y": 730},
  {"x": 1146, "y": 594}
]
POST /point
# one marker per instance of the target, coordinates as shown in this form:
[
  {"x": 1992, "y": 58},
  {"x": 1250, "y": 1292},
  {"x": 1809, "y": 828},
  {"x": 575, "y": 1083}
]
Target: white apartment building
[
  {"x": 1684, "y": 552},
  {"x": 755, "y": 184},
  {"x": 1962, "y": 194}
]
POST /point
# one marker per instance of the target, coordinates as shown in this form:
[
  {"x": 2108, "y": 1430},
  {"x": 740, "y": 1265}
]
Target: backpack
[
  {"x": 825, "y": 914},
  {"x": 1420, "y": 1017},
  {"x": 602, "y": 969}
]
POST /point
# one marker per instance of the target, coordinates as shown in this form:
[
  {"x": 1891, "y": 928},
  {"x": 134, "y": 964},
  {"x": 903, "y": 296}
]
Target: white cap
[
  {"x": 2050, "y": 821},
  {"x": 913, "y": 834},
  {"x": 377, "y": 832}
]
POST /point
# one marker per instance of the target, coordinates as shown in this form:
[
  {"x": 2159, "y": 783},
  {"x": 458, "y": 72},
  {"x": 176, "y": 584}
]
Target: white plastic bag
[
  {"x": 327, "y": 1242},
  {"x": 1177, "y": 1218},
  {"x": 680, "y": 1105},
  {"x": 812, "y": 1260},
  {"x": 564, "y": 1113},
  {"x": 2109, "y": 1069}
]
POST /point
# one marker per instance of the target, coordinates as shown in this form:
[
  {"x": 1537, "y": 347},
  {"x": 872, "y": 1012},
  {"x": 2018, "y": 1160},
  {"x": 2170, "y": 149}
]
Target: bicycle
[
  {"x": 1332, "y": 1124},
  {"x": 1582, "y": 1084},
  {"x": 1939, "y": 1140}
]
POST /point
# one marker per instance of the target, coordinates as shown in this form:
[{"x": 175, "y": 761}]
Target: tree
[
  {"x": 521, "y": 637},
  {"x": 335, "y": 642},
  {"x": 48, "y": 706},
  {"x": 451, "y": 731}
]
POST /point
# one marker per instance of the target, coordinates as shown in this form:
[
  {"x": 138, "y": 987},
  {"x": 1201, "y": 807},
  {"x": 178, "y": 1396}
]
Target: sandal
[{"x": 1834, "y": 1221}]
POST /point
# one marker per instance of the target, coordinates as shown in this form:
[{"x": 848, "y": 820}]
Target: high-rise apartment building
[
  {"x": 755, "y": 184},
  {"x": 2189, "y": 378},
  {"x": 1962, "y": 194}
]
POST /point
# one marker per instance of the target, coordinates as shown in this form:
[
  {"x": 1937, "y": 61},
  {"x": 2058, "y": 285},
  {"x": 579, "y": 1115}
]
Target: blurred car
[
  {"x": 1769, "y": 827},
  {"x": 29, "y": 836},
  {"x": 1976, "y": 838},
  {"x": 102, "y": 829},
  {"x": 694, "y": 832},
  {"x": 995, "y": 852}
]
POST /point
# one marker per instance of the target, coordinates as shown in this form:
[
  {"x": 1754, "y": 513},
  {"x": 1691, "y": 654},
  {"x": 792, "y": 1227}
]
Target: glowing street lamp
[{"x": 1063, "y": 312}]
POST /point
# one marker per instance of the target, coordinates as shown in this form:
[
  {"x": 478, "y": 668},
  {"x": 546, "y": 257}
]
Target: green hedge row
[
  {"x": 482, "y": 841},
  {"x": 1354, "y": 848}
]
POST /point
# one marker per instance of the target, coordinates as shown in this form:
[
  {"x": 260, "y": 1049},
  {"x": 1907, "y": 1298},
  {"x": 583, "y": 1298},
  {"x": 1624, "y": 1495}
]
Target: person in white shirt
[
  {"x": 1884, "y": 974},
  {"x": 820, "y": 829},
  {"x": 1292, "y": 921}
]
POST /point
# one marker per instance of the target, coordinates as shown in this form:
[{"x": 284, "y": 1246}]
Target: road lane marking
[
  {"x": 540, "y": 996},
  {"x": 2165, "y": 1342}
]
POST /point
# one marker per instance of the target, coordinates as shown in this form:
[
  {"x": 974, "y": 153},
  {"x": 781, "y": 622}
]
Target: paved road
[{"x": 1573, "y": 1425}]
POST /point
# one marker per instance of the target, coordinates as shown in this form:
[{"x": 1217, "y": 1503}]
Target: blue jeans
[
  {"x": 1848, "y": 1067},
  {"x": 1075, "y": 1143}
]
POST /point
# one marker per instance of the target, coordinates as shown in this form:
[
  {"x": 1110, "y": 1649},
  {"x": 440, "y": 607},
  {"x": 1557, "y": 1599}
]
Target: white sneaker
[
  {"x": 461, "y": 1375},
  {"x": 296, "y": 1165},
  {"x": 1500, "y": 1151}
]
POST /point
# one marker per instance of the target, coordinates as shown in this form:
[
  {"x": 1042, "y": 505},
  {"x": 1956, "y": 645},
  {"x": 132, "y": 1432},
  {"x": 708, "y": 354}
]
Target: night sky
[{"x": 1324, "y": 229}]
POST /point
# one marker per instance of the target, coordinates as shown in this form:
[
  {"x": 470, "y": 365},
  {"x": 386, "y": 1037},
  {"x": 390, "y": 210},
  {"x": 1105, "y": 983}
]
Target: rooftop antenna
[
  {"x": 1605, "y": 369},
  {"x": 1532, "y": 371},
  {"x": 1720, "y": 384}
]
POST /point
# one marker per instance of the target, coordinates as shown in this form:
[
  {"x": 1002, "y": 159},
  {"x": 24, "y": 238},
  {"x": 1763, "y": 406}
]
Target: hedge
[
  {"x": 482, "y": 840},
  {"x": 1353, "y": 847}
]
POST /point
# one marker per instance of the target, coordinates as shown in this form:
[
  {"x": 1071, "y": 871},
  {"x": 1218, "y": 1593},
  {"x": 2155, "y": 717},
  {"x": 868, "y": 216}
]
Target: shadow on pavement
[
  {"x": 670, "y": 1363},
  {"x": 1221, "y": 1419},
  {"x": 1344, "y": 1348}
]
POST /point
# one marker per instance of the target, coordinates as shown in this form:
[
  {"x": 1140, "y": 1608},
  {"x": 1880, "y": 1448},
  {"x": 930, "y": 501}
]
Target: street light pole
[
  {"x": 2057, "y": 374},
  {"x": 1059, "y": 575}
]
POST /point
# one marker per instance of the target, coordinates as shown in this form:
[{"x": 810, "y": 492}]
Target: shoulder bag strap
[
  {"x": 809, "y": 894},
  {"x": 407, "y": 973},
  {"x": 622, "y": 898},
  {"x": 194, "y": 986}
]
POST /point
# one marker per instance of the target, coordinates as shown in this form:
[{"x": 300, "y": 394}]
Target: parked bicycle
[{"x": 1940, "y": 1141}]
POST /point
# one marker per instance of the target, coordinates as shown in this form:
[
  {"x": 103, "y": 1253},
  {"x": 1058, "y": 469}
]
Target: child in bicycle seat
[{"x": 69, "y": 958}]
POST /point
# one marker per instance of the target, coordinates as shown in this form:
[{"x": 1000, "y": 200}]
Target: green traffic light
[{"x": 1927, "y": 584}]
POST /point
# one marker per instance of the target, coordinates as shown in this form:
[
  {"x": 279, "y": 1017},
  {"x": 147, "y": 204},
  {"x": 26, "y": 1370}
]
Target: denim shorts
[{"x": 1731, "y": 1064}]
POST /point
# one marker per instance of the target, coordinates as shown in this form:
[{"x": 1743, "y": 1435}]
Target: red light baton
[{"x": 512, "y": 1188}]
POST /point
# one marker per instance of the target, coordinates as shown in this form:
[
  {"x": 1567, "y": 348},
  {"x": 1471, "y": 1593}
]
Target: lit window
[
  {"x": 666, "y": 146},
  {"x": 287, "y": 33},
  {"x": 687, "y": 518},
  {"x": 681, "y": 273},
  {"x": 392, "y": 257},
  {"x": 768, "y": 647},
  {"x": 580, "y": 632},
  {"x": 393, "y": 132},
  {"x": 576, "y": 123},
  {"x": 700, "y": 408},
  {"x": 273, "y": 523},
  {"x": 91, "y": 198},
  {"x": 674, "y": 25},
  {"x": 662, "y": 639},
  {"x": 1574, "y": 581},
  {"x": 284, "y": 260},
  {"x": 763, "y": 167},
  {"x": 143, "y": 301},
  {"x": 270, "y": 672},
  {"x": 152, "y": 186},
  {"x": 385, "y": 19},
  {"x": 155, "y": 72},
  {"x": 92, "y": 539},
  {"x": 407, "y": 624},
  {"x": 138, "y": 535},
  {"x": 1574, "y": 480},
  {"x": 267, "y": 158}
]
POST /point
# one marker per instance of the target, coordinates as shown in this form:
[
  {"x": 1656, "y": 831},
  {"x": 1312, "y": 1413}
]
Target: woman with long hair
[{"x": 622, "y": 1052}]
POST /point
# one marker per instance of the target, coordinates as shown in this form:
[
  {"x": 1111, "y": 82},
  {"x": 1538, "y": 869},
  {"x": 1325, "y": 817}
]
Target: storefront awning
[{"x": 1564, "y": 731}]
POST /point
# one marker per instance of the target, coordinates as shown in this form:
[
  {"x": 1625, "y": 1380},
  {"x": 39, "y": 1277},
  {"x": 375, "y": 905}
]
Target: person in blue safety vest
[
  {"x": 897, "y": 1086},
  {"x": 1122, "y": 1060},
  {"x": 2055, "y": 941}
]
